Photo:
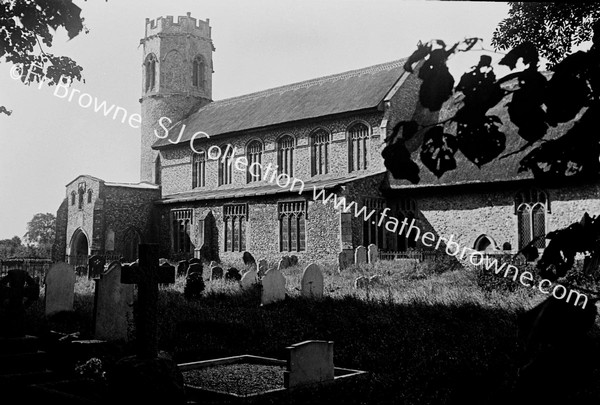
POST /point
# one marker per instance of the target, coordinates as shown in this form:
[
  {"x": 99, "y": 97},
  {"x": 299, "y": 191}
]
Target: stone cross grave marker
[
  {"x": 360, "y": 255},
  {"x": 147, "y": 275},
  {"x": 273, "y": 287},
  {"x": 312, "y": 282},
  {"x": 20, "y": 289},
  {"x": 372, "y": 253},
  {"x": 112, "y": 305},
  {"x": 96, "y": 266},
  {"x": 309, "y": 362},
  {"x": 60, "y": 288}
]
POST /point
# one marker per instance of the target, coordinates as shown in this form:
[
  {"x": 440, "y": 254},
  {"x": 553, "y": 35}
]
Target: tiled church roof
[{"x": 349, "y": 91}]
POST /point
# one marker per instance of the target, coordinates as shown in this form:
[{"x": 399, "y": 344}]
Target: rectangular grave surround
[{"x": 270, "y": 365}]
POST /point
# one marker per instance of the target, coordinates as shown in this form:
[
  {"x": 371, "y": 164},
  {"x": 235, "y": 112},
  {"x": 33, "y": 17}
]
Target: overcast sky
[{"x": 48, "y": 141}]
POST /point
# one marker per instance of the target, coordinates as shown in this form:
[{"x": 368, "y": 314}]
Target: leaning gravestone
[
  {"x": 273, "y": 287},
  {"x": 309, "y": 362},
  {"x": 312, "y": 282},
  {"x": 248, "y": 258},
  {"x": 372, "y": 253},
  {"x": 263, "y": 267},
  {"x": 360, "y": 255},
  {"x": 60, "y": 288},
  {"x": 216, "y": 273},
  {"x": 249, "y": 279},
  {"x": 114, "y": 305},
  {"x": 96, "y": 266}
]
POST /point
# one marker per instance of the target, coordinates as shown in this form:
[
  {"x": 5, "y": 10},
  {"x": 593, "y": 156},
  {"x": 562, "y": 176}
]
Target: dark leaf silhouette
[
  {"x": 437, "y": 152},
  {"x": 568, "y": 90},
  {"x": 480, "y": 89},
  {"x": 404, "y": 130},
  {"x": 573, "y": 155},
  {"x": 525, "y": 51},
  {"x": 437, "y": 81},
  {"x": 481, "y": 141},
  {"x": 396, "y": 159},
  {"x": 525, "y": 108},
  {"x": 420, "y": 54}
]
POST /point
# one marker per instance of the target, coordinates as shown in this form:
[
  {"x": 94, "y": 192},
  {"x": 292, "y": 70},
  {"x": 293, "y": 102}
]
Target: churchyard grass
[{"x": 424, "y": 335}]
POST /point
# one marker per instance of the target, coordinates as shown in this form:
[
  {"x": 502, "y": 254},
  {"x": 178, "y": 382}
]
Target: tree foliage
[
  {"x": 27, "y": 24},
  {"x": 41, "y": 229},
  {"x": 554, "y": 28},
  {"x": 535, "y": 102}
]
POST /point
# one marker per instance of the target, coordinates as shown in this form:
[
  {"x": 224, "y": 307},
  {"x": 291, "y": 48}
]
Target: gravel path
[{"x": 241, "y": 379}]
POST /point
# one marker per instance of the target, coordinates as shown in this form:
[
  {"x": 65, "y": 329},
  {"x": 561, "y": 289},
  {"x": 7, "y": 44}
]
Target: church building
[{"x": 194, "y": 200}]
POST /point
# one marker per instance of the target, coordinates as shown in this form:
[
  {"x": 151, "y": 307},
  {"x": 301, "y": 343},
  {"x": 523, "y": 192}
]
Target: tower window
[
  {"x": 199, "y": 169},
  {"x": 157, "y": 171},
  {"x": 531, "y": 207},
  {"x": 73, "y": 197},
  {"x": 285, "y": 155},
  {"x": 254, "y": 172},
  {"x": 358, "y": 136},
  {"x": 235, "y": 217},
  {"x": 150, "y": 65},
  {"x": 198, "y": 68},
  {"x": 81, "y": 194},
  {"x": 225, "y": 165},
  {"x": 181, "y": 228},
  {"x": 89, "y": 195},
  {"x": 292, "y": 226},
  {"x": 319, "y": 152}
]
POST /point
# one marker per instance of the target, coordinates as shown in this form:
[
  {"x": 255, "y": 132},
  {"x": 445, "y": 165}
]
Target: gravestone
[
  {"x": 113, "y": 305},
  {"x": 20, "y": 289},
  {"x": 284, "y": 263},
  {"x": 216, "y": 273},
  {"x": 309, "y": 362},
  {"x": 273, "y": 287},
  {"x": 312, "y": 282},
  {"x": 233, "y": 274},
  {"x": 249, "y": 278},
  {"x": 360, "y": 255},
  {"x": 248, "y": 258},
  {"x": 262, "y": 267},
  {"x": 361, "y": 282},
  {"x": 96, "y": 266},
  {"x": 194, "y": 282},
  {"x": 372, "y": 253},
  {"x": 182, "y": 268},
  {"x": 293, "y": 260},
  {"x": 344, "y": 260},
  {"x": 60, "y": 288}
]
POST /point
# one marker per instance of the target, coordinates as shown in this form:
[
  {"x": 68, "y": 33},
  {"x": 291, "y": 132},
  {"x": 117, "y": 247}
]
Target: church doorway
[
  {"x": 79, "y": 249},
  {"x": 131, "y": 242}
]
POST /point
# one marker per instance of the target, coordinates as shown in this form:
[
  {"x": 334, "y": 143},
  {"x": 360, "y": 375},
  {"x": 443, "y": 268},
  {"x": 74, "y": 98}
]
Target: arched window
[
  {"x": 319, "y": 142},
  {"x": 225, "y": 169},
  {"x": 81, "y": 194},
  {"x": 484, "y": 244},
  {"x": 531, "y": 207},
  {"x": 292, "y": 226},
  {"x": 181, "y": 220},
  {"x": 198, "y": 72},
  {"x": 285, "y": 155},
  {"x": 73, "y": 194},
  {"x": 157, "y": 171},
  {"x": 358, "y": 136},
  {"x": 199, "y": 169},
  {"x": 254, "y": 155},
  {"x": 150, "y": 66},
  {"x": 89, "y": 199}
]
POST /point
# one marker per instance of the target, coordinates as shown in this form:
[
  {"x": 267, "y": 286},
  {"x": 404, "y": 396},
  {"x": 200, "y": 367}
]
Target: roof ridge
[{"x": 308, "y": 83}]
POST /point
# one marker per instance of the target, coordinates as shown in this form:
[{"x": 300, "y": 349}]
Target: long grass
[{"x": 424, "y": 335}]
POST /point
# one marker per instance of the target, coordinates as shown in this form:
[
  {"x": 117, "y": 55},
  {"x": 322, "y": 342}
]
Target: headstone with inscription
[
  {"x": 372, "y": 253},
  {"x": 309, "y": 362},
  {"x": 273, "y": 287},
  {"x": 312, "y": 282},
  {"x": 96, "y": 265},
  {"x": 360, "y": 255},
  {"x": 114, "y": 305}
]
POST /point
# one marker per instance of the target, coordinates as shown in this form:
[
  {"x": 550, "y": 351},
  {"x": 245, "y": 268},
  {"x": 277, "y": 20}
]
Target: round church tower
[{"x": 176, "y": 79}]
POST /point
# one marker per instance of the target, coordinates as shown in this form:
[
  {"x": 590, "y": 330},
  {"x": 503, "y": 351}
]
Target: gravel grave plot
[{"x": 240, "y": 379}]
